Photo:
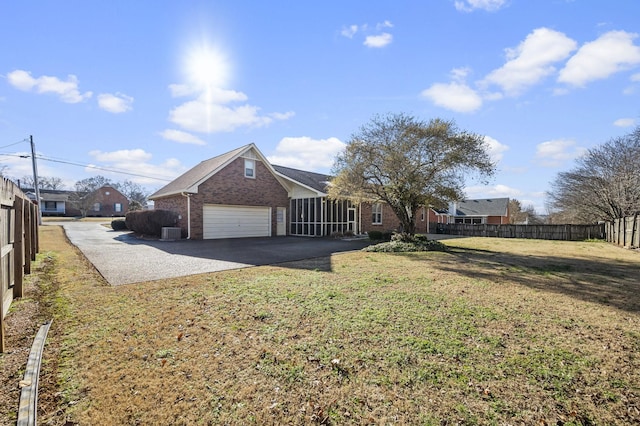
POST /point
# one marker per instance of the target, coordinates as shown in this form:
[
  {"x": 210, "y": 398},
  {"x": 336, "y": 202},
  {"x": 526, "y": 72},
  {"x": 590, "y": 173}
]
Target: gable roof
[
  {"x": 483, "y": 207},
  {"x": 189, "y": 181},
  {"x": 316, "y": 181}
]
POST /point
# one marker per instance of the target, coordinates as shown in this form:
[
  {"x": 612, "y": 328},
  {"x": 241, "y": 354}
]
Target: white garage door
[{"x": 236, "y": 221}]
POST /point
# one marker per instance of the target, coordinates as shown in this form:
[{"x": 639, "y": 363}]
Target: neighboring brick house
[
  {"x": 104, "y": 202},
  {"x": 491, "y": 211},
  {"x": 107, "y": 202},
  {"x": 240, "y": 194}
]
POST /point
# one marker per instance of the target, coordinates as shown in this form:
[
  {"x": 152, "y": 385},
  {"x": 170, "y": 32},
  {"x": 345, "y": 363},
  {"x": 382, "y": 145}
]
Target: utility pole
[{"x": 35, "y": 178}]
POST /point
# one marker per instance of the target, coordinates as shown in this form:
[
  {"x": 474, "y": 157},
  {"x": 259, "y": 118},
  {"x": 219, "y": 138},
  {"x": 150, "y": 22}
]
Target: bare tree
[
  {"x": 604, "y": 185},
  {"x": 516, "y": 214},
  {"x": 134, "y": 192},
  {"x": 84, "y": 196},
  {"x": 44, "y": 182},
  {"x": 408, "y": 163},
  {"x": 519, "y": 214}
]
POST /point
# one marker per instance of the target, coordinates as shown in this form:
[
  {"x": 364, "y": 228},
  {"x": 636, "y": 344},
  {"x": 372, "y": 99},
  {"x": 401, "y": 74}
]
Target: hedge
[{"x": 150, "y": 222}]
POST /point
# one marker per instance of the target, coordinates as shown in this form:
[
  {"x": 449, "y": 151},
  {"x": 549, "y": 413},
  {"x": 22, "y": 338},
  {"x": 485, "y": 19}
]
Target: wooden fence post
[{"x": 18, "y": 247}]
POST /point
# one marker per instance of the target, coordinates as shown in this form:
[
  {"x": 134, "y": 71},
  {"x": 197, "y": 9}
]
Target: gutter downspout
[{"x": 188, "y": 195}]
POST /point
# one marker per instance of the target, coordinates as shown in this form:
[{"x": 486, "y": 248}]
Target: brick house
[
  {"x": 108, "y": 201},
  {"x": 104, "y": 202},
  {"x": 240, "y": 194},
  {"x": 492, "y": 211}
]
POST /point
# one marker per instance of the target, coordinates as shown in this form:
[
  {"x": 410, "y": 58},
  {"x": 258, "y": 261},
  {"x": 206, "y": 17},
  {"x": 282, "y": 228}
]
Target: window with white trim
[
  {"x": 376, "y": 214},
  {"x": 249, "y": 168},
  {"x": 96, "y": 207},
  {"x": 117, "y": 207}
]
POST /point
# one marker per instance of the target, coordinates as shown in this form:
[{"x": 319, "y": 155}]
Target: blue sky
[{"x": 154, "y": 87}]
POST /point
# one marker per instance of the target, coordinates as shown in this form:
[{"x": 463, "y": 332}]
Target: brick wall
[
  {"x": 108, "y": 197},
  {"x": 390, "y": 221},
  {"x": 230, "y": 187}
]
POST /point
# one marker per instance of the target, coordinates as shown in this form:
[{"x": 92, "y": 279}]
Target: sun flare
[{"x": 207, "y": 67}]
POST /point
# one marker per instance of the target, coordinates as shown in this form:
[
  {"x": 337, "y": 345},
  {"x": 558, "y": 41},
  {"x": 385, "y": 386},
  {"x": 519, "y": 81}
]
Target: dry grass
[{"x": 494, "y": 332}]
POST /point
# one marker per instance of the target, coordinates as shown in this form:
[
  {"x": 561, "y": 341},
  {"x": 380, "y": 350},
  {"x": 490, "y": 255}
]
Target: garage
[{"x": 222, "y": 221}]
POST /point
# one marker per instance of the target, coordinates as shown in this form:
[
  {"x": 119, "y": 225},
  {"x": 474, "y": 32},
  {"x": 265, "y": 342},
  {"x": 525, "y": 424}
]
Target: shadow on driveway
[
  {"x": 251, "y": 251},
  {"x": 122, "y": 258}
]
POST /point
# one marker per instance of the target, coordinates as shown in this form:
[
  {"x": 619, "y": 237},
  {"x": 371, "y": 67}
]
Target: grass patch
[{"x": 489, "y": 332}]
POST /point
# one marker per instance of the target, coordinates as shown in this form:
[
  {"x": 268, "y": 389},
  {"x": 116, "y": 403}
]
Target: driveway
[{"x": 122, "y": 258}]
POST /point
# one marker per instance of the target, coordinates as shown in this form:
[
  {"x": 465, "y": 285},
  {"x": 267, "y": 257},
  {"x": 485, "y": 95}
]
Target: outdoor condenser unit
[{"x": 170, "y": 233}]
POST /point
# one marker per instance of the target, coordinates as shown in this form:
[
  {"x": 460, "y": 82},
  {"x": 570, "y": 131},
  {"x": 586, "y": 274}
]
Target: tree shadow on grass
[{"x": 610, "y": 282}]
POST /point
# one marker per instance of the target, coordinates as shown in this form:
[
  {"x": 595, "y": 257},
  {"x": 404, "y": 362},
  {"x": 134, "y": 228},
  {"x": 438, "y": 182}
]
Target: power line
[
  {"x": 15, "y": 143},
  {"x": 90, "y": 166}
]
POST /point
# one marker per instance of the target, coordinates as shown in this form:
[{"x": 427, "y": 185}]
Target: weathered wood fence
[
  {"x": 19, "y": 245},
  {"x": 624, "y": 232},
  {"x": 538, "y": 232}
]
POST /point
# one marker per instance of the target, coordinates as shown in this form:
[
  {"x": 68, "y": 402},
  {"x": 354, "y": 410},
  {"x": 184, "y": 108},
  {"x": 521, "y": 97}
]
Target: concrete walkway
[{"x": 122, "y": 258}]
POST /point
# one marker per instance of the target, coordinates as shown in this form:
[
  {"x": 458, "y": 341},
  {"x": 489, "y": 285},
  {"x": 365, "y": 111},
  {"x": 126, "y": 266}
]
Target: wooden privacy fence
[
  {"x": 19, "y": 244},
  {"x": 624, "y": 232},
  {"x": 538, "y": 232}
]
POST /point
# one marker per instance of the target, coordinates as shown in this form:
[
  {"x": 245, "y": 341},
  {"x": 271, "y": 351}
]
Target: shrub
[
  {"x": 402, "y": 242},
  {"x": 386, "y": 235},
  {"x": 375, "y": 235},
  {"x": 119, "y": 225},
  {"x": 150, "y": 222}
]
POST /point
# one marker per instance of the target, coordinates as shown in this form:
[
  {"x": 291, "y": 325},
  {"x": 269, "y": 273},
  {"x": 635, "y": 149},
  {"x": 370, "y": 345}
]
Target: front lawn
[{"x": 492, "y": 331}]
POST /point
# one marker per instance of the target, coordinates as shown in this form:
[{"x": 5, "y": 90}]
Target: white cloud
[
  {"x": 18, "y": 165},
  {"x": 371, "y": 40},
  {"x": 531, "y": 61},
  {"x": 307, "y": 153},
  {"x": 454, "y": 96},
  {"x": 496, "y": 149},
  {"x": 471, "y": 5},
  {"x": 66, "y": 90},
  {"x": 210, "y": 112},
  {"x": 116, "y": 104},
  {"x": 282, "y": 115},
  {"x": 181, "y": 137},
  {"x": 123, "y": 155},
  {"x": 207, "y": 117},
  {"x": 625, "y": 122},
  {"x": 495, "y": 191},
  {"x": 136, "y": 161},
  {"x": 349, "y": 31},
  {"x": 179, "y": 90},
  {"x": 610, "y": 53},
  {"x": 378, "y": 41},
  {"x": 555, "y": 152},
  {"x": 635, "y": 77}
]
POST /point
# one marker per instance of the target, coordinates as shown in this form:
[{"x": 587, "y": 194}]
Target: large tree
[
  {"x": 407, "y": 163},
  {"x": 604, "y": 184}
]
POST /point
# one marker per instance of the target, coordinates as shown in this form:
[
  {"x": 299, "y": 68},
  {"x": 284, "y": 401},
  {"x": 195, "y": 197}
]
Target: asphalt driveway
[{"x": 122, "y": 258}]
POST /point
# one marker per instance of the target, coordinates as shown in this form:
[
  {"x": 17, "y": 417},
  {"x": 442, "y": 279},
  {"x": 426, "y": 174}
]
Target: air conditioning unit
[{"x": 170, "y": 234}]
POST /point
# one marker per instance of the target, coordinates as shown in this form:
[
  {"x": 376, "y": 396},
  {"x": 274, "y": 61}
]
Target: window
[
  {"x": 376, "y": 214},
  {"x": 117, "y": 207},
  {"x": 50, "y": 205},
  {"x": 249, "y": 168},
  {"x": 96, "y": 207}
]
